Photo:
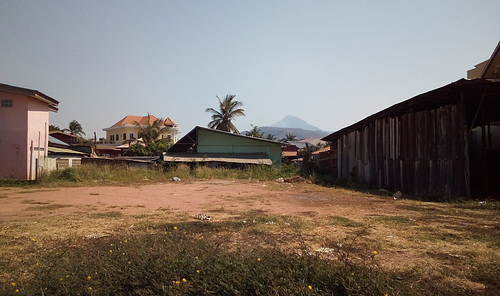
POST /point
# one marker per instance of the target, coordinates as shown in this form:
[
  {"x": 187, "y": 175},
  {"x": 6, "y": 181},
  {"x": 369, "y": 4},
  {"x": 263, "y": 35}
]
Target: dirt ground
[{"x": 192, "y": 197}]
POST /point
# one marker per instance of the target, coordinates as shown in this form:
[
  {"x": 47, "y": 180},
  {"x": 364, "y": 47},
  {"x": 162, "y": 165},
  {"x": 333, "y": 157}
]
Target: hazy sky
[{"x": 331, "y": 63}]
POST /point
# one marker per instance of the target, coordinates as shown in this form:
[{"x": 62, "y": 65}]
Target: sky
[{"x": 331, "y": 63}]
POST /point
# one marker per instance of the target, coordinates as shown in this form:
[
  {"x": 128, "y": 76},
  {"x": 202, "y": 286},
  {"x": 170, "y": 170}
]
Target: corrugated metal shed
[{"x": 224, "y": 147}]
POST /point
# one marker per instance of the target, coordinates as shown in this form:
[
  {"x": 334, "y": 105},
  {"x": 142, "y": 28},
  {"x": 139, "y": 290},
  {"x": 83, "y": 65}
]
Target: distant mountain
[
  {"x": 294, "y": 122},
  {"x": 294, "y": 125},
  {"x": 281, "y": 132}
]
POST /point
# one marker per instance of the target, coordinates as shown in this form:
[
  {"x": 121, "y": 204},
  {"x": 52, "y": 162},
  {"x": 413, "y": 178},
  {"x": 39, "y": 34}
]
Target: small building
[
  {"x": 204, "y": 145},
  {"x": 24, "y": 131},
  {"x": 61, "y": 155},
  {"x": 129, "y": 129}
]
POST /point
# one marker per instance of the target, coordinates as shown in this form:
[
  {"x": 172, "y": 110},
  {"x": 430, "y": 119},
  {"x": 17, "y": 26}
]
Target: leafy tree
[
  {"x": 255, "y": 132},
  {"x": 228, "y": 110},
  {"x": 152, "y": 148},
  {"x": 271, "y": 137},
  {"x": 290, "y": 137},
  {"x": 53, "y": 128},
  {"x": 152, "y": 131},
  {"x": 75, "y": 128}
]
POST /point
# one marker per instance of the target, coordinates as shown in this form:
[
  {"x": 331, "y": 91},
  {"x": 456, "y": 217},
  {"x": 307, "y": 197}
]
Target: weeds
[{"x": 105, "y": 175}]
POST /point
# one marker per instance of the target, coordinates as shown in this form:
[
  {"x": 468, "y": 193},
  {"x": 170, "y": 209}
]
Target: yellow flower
[
  {"x": 375, "y": 252},
  {"x": 111, "y": 251},
  {"x": 184, "y": 280},
  {"x": 197, "y": 271},
  {"x": 175, "y": 227},
  {"x": 17, "y": 290},
  {"x": 310, "y": 287},
  {"x": 90, "y": 288},
  {"x": 61, "y": 279},
  {"x": 89, "y": 277},
  {"x": 33, "y": 239},
  {"x": 13, "y": 284},
  {"x": 258, "y": 259}
]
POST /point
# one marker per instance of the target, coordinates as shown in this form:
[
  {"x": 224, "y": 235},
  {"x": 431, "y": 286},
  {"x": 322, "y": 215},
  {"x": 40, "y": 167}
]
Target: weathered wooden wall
[{"x": 414, "y": 152}]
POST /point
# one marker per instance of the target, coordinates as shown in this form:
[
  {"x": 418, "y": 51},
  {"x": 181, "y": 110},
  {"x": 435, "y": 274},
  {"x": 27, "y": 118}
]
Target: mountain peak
[{"x": 291, "y": 121}]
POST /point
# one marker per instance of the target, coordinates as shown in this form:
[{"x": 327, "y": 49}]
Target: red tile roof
[{"x": 142, "y": 120}]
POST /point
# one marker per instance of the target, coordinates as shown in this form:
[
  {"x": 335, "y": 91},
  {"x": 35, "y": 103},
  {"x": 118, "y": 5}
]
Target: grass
[
  {"x": 447, "y": 248},
  {"x": 92, "y": 175},
  {"x": 343, "y": 221}
]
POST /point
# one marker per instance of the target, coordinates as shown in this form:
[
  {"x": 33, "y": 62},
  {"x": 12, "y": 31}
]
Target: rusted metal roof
[{"x": 472, "y": 91}]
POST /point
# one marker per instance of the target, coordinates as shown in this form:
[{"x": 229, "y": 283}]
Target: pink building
[{"x": 24, "y": 131}]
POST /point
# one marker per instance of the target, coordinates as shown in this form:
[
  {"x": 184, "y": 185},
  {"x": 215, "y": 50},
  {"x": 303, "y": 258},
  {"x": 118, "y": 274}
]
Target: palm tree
[
  {"x": 271, "y": 137},
  {"x": 75, "y": 128},
  {"x": 152, "y": 130},
  {"x": 255, "y": 132},
  {"x": 290, "y": 137},
  {"x": 228, "y": 110}
]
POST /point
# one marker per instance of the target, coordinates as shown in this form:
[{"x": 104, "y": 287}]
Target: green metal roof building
[{"x": 209, "y": 145}]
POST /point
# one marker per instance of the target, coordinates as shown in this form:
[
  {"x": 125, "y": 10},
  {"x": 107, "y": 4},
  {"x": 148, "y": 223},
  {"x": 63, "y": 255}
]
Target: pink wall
[{"x": 20, "y": 124}]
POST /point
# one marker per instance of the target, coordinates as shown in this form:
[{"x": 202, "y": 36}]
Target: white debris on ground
[{"x": 203, "y": 216}]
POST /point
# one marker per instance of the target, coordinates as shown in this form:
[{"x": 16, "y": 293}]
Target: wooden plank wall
[{"x": 416, "y": 152}]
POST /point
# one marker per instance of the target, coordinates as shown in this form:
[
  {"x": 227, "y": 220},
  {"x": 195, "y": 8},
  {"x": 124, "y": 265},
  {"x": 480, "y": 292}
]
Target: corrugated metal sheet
[
  {"x": 243, "y": 158},
  {"x": 56, "y": 150}
]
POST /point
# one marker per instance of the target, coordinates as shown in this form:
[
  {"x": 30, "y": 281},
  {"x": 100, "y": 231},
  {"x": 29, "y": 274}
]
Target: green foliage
[
  {"x": 152, "y": 148},
  {"x": 255, "y": 132},
  {"x": 152, "y": 130},
  {"x": 53, "y": 128},
  {"x": 179, "y": 261},
  {"x": 75, "y": 128},
  {"x": 289, "y": 137},
  {"x": 99, "y": 174},
  {"x": 343, "y": 221},
  {"x": 222, "y": 119}
]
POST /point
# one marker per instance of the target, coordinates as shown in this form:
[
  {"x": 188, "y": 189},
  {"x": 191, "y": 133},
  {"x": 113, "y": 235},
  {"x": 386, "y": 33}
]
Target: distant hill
[
  {"x": 290, "y": 121},
  {"x": 280, "y": 132}
]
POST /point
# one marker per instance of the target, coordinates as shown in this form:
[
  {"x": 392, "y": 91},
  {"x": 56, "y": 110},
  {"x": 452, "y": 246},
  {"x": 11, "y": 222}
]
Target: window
[
  {"x": 132, "y": 136},
  {"x": 6, "y": 104},
  {"x": 124, "y": 136},
  {"x": 112, "y": 138},
  {"x": 117, "y": 137}
]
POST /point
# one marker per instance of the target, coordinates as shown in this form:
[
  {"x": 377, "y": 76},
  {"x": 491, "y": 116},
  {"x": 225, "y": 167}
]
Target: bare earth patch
[{"x": 431, "y": 238}]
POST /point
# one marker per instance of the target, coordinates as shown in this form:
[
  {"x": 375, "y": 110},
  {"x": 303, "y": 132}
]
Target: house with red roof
[{"x": 128, "y": 130}]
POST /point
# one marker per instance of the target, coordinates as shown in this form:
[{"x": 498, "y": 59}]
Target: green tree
[
  {"x": 271, "y": 137},
  {"x": 75, "y": 128},
  {"x": 222, "y": 119},
  {"x": 255, "y": 132},
  {"x": 290, "y": 137},
  {"x": 53, "y": 128},
  {"x": 152, "y": 130}
]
